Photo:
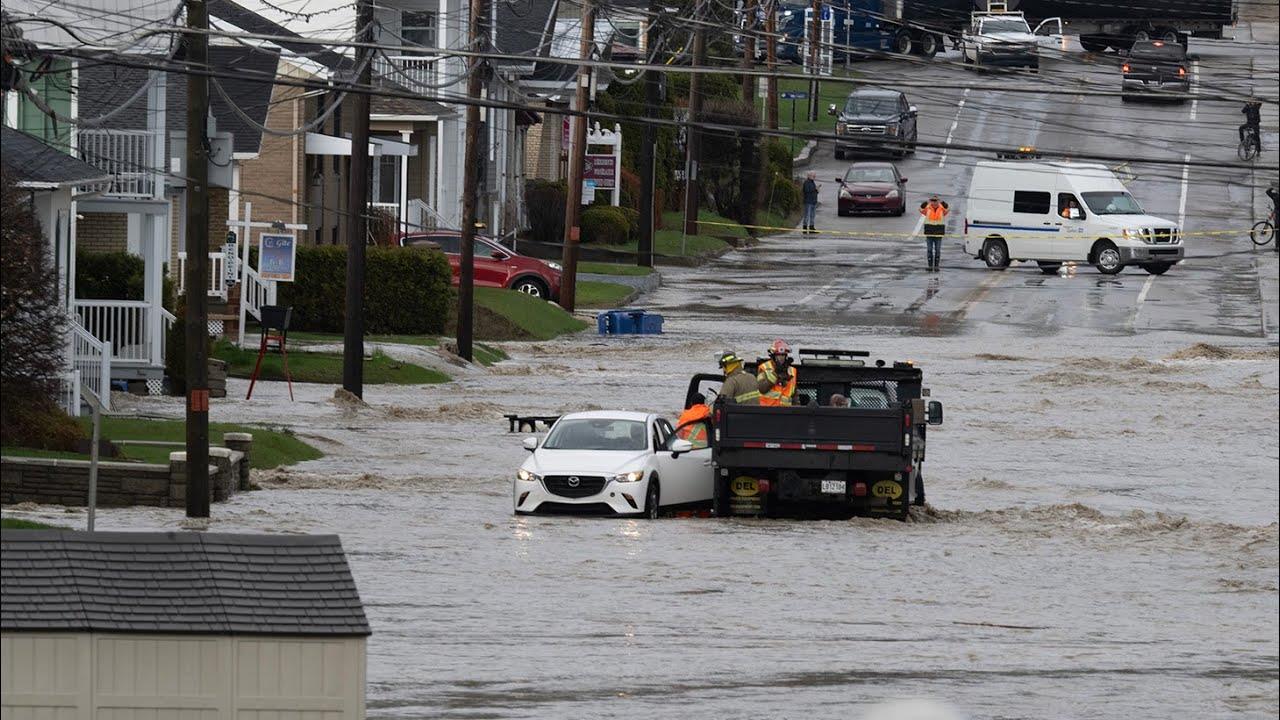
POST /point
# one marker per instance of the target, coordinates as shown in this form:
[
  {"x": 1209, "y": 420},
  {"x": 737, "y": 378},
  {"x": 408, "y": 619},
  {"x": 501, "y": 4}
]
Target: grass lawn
[
  {"x": 16, "y": 524},
  {"x": 602, "y": 268},
  {"x": 674, "y": 220},
  {"x": 536, "y": 318},
  {"x": 319, "y": 338},
  {"x": 828, "y": 92},
  {"x": 325, "y": 368},
  {"x": 592, "y": 294},
  {"x": 775, "y": 220}
]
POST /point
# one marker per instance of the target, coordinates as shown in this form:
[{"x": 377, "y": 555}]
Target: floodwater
[{"x": 1102, "y": 543}]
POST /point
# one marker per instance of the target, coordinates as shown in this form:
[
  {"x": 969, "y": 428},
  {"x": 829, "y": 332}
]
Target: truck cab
[
  {"x": 1002, "y": 39},
  {"x": 852, "y": 443}
]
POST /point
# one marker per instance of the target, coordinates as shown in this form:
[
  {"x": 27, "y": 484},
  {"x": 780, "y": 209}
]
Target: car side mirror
[
  {"x": 531, "y": 444},
  {"x": 913, "y": 111},
  {"x": 934, "y": 412},
  {"x": 840, "y": 180},
  {"x": 680, "y": 446},
  {"x": 831, "y": 109},
  {"x": 902, "y": 180}
]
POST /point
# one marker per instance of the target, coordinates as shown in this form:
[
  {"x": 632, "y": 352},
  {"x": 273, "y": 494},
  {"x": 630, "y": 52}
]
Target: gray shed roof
[
  {"x": 203, "y": 583},
  {"x": 30, "y": 161}
]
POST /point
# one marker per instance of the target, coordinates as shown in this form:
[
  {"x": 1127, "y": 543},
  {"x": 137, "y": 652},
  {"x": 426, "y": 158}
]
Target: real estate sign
[
  {"x": 601, "y": 168},
  {"x": 277, "y": 254}
]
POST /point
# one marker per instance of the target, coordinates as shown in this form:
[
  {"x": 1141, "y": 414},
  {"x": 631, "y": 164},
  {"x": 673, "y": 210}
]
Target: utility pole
[
  {"x": 470, "y": 183},
  {"x": 749, "y": 82},
  {"x": 815, "y": 39},
  {"x": 693, "y": 136},
  {"x": 573, "y": 203},
  {"x": 358, "y": 205},
  {"x": 648, "y": 153},
  {"x": 771, "y": 62},
  {"x": 197, "y": 280}
]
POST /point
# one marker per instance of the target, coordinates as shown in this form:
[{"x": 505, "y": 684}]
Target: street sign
[
  {"x": 826, "y": 13},
  {"x": 277, "y": 255},
  {"x": 795, "y": 95},
  {"x": 603, "y": 169}
]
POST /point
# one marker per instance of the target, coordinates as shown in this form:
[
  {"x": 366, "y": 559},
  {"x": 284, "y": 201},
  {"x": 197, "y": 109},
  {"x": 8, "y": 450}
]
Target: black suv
[
  {"x": 875, "y": 120},
  {"x": 1156, "y": 67}
]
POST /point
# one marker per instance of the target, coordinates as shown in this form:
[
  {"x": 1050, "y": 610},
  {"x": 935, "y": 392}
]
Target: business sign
[
  {"x": 277, "y": 254},
  {"x": 601, "y": 168},
  {"x": 588, "y": 192}
]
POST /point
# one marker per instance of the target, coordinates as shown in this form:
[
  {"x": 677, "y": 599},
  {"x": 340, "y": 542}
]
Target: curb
[{"x": 806, "y": 154}]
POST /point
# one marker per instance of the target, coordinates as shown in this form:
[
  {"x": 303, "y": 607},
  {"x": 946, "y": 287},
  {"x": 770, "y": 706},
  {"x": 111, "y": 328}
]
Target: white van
[{"x": 1052, "y": 212}]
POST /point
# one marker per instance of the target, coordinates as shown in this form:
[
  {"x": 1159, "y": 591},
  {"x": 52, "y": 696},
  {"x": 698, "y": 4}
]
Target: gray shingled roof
[
  {"x": 205, "y": 583},
  {"x": 28, "y": 159}
]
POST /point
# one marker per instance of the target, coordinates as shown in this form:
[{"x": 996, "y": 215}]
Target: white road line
[
  {"x": 1195, "y": 85},
  {"x": 954, "y": 124},
  {"x": 1146, "y": 288},
  {"x": 1182, "y": 199}
]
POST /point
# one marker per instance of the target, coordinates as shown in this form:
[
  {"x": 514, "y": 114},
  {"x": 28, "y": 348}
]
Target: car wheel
[
  {"x": 531, "y": 286},
  {"x": 1048, "y": 268},
  {"x": 651, "y": 498},
  {"x": 901, "y": 210},
  {"x": 996, "y": 253},
  {"x": 1156, "y": 268},
  {"x": 1106, "y": 257}
]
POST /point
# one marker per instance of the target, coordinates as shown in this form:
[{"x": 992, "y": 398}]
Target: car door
[
  {"x": 490, "y": 270},
  {"x": 689, "y": 477},
  {"x": 1049, "y": 35},
  {"x": 449, "y": 246},
  {"x": 908, "y": 118},
  {"x": 1072, "y": 243}
]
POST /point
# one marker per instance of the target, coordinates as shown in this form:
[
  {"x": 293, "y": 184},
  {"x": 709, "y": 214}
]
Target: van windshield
[{"x": 1112, "y": 202}]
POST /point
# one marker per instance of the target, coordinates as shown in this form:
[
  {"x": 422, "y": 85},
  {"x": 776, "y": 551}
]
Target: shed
[{"x": 191, "y": 625}]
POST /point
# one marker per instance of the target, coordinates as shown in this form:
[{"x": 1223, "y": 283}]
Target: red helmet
[{"x": 779, "y": 347}]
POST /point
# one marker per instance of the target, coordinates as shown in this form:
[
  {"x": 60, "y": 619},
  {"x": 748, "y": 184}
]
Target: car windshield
[
  {"x": 597, "y": 434},
  {"x": 1005, "y": 25},
  {"x": 869, "y": 174},
  {"x": 874, "y": 105},
  {"x": 1113, "y": 202},
  {"x": 1158, "y": 52}
]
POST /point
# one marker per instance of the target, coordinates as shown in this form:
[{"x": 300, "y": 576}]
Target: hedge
[
  {"x": 605, "y": 224},
  {"x": 546, "y": 202},
  {"x": 406, "y": 290},
  {"x": 117, "y": 276}
]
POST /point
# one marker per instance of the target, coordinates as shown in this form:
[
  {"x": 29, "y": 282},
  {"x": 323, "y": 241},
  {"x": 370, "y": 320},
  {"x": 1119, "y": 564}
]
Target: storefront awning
[{"x": 320, "y": 144}]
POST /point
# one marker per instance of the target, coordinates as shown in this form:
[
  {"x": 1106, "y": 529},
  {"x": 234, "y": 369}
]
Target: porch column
[
  {"x": 153, "y": 248},
  {"x": 405, "y": 135}
]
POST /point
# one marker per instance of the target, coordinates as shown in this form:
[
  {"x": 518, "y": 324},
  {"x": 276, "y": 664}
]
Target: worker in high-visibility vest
[
  {"x": 776, "y": 377},
  {"x": 738, "y": 387},
  {"x": 935, "y": 226},
  {"x": 691, "y": 425}
]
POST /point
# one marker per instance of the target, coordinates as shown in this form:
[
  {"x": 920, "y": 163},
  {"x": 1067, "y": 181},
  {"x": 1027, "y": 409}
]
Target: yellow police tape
[{"x": 874, "y": 235}]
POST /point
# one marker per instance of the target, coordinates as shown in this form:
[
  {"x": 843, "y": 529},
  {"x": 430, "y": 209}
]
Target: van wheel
[
  {"x": 1106, "y": 257},
  {"x": 1156, "y": 268},
  {"x": 996, "y": 254},
  {"x": 1049, "y": 268}
]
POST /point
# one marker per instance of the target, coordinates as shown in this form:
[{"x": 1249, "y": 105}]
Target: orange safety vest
[
  {"x": 693, "y": 433},
  {"x": 934, "y": 215},
  {"x": 778, "y": 394}
]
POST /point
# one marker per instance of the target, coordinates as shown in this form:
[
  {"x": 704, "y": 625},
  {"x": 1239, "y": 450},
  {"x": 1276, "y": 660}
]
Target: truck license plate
[{"x": 834, "y": 487}]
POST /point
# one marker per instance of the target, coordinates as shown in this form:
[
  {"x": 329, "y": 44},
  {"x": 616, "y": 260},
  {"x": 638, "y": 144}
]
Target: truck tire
[
  {"x": 720, "y": 497},
  {"x": 902, "y": 42},
  {"x": 1093, "y": 43},
  {"x": 928, "y": 45},
  {"x": 1168, "y": 35},
  {"x": 1139, "y": 35},
  {"x": 995, "y": 252},
  {"x": 1156, "y": 268},
  {"x": 1106, "y": 257}
]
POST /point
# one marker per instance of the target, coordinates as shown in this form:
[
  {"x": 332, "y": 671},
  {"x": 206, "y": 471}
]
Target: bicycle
[
  {"x": 1263, "y": 231},
  {"x": 1250, "y": 145}
]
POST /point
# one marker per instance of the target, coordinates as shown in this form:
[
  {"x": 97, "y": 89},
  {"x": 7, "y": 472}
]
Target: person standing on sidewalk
[
  {"x": 810, "y": 192},
  {"x": 935, "y": 226}
]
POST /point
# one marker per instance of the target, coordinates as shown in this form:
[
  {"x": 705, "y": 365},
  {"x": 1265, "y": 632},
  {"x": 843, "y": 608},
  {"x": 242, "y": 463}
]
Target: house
[{"x": 147, "y": 625}]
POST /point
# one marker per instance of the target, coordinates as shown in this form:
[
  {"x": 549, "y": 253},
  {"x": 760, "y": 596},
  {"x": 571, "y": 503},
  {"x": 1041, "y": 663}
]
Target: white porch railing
[
  {"x": 217, "y": 274},
  {"x": 128, "y": 155},
  {"x": 421, "y": 216},
  {"x": 415, "y": 72},
  {"x": 123, "y": 326},
  {"x": 255, "y": 293},
  {"x": 91, "y": 361}
]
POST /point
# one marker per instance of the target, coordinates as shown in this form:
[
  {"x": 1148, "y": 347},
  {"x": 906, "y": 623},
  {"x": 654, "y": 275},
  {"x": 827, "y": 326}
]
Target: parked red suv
[{"x": 495, "y": 266}]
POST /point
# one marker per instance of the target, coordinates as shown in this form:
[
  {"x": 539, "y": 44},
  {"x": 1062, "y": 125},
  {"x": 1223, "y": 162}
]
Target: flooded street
[{"x": 1101, "y": 540}]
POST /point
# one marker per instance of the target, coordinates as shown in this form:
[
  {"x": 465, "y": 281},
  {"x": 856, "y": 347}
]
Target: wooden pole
[
  {"x": 693, "y": 142},
  {"x": 470, "y": 186},
  {"x": 357, "y": 207},
  {"x": 815, "y": 39},
  {"x": 749, "y": 82},
  {"x": 648, "y": 153},
  {"x": 573, "y": 201},
  {"x": 197, "y": 280},
  {"x": 771, "y": 53}
]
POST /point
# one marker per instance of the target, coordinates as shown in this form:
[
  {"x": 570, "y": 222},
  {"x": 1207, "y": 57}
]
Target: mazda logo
[{"x": 574, "y": 482}]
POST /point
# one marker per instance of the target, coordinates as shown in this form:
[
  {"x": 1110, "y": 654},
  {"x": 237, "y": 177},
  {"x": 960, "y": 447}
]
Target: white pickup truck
[{"x": 999, "y": 39}]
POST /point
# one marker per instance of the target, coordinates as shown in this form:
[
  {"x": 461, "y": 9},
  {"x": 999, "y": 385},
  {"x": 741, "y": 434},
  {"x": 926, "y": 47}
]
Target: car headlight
[
  {"x": 633, "y": 476},
  {"x": 891, "y": 194},
  {"x": 527, "y": 476},
  {"x": 845, "y": 193},
  {"x": 554, "y": 265}
]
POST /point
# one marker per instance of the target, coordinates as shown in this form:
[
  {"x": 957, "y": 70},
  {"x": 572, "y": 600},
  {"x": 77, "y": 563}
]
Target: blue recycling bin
[{"x": 628, "y": 322}]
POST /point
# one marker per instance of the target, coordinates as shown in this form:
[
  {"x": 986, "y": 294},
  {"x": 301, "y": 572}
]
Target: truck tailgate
[{"x": 869, "y": 430}]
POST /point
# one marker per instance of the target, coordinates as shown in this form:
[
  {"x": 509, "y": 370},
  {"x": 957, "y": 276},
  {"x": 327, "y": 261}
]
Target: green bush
[
  {"x": 546, "y": 201},
  {"x": 784, "y": 194},
  {"x": 780, "y": 159},
  {"x": 406, "y": 290},
  {"x": 633, "y": 222},
  {"x": 117, "y": 276},
  {"x": 605, "y": 224}
]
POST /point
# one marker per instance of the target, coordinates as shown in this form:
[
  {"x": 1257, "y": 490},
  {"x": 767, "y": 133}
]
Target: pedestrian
[
  {"x": 1252, "y": 118},
  {"x": 810, "y": 193},
  {"x": 776, "y": 377},
  {"x": 935, "y": 226},
  {"x": 691, "y": 425},
  {"x": 738, "y": 387}
]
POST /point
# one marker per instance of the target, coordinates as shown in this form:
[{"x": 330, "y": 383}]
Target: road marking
[
  {"x": 1182, "y": 199},
  {"x": 1146, "y": 288},
  {"x": 954, "y": 124},
  {"x": 1195, "y": 85},
  {"x": 866, "y": 261}
]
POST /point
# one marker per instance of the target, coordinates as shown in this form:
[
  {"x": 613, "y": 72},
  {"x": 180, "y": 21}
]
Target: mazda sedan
[
  {"x": 872, "y": 187},
  {"x": 613, "y": 463}
]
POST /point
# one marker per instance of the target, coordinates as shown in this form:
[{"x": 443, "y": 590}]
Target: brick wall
[
  {"x": 219, "y": 212},
  {"x": 275, "y": 182},
  {"x": 102, "y": 232}
]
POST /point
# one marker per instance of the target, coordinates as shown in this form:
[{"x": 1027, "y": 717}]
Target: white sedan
[{"x": 615, "y": 463}]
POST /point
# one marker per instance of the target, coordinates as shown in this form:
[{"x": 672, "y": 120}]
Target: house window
[
  {"x": 418, "y": 27},
  {"x": 386, "y": 180}
]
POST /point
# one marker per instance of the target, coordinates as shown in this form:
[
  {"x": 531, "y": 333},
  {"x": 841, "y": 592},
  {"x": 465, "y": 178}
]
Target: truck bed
[{"x": 810, "y": 438}]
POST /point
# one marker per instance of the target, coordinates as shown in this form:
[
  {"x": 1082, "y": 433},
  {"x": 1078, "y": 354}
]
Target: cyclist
[{"x": 1252, "y": 111}]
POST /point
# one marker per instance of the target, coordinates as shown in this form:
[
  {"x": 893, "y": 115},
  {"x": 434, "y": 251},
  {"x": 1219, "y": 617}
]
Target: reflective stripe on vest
[
  {"x": 747, "y": 396},
  {"x": 777, "y": 394}
]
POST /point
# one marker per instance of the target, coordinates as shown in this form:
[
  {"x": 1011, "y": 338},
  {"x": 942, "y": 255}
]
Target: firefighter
[
  {"x": 776, "y": 377},
  {"x": 739, "y": 387}
]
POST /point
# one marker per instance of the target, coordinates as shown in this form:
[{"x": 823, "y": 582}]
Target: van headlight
[
  {"x": 527, "y": 476},
  {"x": 633, "y": 476},
  {"x": 1138, "y": 234}
]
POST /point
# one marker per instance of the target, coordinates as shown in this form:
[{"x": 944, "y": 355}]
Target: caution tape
[{"x": 876, "y": 235}]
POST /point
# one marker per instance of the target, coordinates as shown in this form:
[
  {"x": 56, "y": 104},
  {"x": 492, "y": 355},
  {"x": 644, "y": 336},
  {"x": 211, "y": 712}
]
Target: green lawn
[
  {"x": 602, "y": 268},
  {"x": 538, "y": 319},
  {"x": 271, "y": 448},
  {"x": 16, "y": 524},
  {"x": 319, "y": 338},
  {"x": 674, "y": 220},
  {"x": 592, "y": 294},
  {"x": 828, "y": 92},
  {"x": 314, "y": 367},
  {"x": 157, "y": 454},
  {"x": 487, "y": 354}
]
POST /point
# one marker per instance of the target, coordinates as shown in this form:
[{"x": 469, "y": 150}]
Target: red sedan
[
  {"x": 872, "y": 187},
  {"x": 495, "y": 266}
]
